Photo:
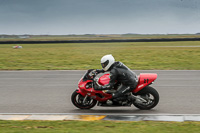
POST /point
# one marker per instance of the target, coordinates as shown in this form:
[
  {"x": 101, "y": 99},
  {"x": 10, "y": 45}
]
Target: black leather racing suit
[{"x": 121, "y": 73}]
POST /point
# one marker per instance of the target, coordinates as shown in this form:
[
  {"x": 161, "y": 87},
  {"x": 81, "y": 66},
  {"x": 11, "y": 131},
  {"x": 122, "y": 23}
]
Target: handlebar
[{"x": 93, "y": 73}]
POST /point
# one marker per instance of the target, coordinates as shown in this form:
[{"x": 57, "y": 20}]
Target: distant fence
[{"x": 103, "y": 41}]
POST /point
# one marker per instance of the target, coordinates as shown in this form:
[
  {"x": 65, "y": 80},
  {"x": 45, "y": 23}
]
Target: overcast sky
[{"x": 99, "y": 16}]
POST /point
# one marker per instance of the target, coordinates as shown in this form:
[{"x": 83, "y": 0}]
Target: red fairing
[
  {"x": 83, "y": 90},
  {"x": 144, "y": 80},
  {"x": 105, "y": 79},
  {"x": 82, "y": 86}
]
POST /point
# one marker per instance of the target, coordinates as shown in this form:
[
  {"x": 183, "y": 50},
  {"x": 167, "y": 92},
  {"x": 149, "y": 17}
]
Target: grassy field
[
  {"x": 98, "y": 127},
  {"x": 136, "y": 55}
]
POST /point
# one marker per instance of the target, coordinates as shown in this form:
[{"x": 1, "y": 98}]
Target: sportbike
[{"x": 143, "y": 96}]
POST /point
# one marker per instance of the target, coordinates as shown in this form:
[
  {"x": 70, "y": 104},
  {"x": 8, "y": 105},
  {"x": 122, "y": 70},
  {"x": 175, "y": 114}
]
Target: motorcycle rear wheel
[
  {"x": 150, "y": 95},
  {"x": 77, "y": 100}
]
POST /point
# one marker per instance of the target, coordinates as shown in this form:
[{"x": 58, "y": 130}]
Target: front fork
[{"x": 84, "y": 100}]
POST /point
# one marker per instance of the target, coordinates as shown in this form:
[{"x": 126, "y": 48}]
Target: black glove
[
  {"x": 97, "y": 87},
  {"x": 100, "y": 71}
]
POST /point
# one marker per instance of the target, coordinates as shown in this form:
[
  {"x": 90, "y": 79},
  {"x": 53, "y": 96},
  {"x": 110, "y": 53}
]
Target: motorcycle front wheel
[
  {"x": 150, "y": 95},
  {"x": 81, "y": 102}
]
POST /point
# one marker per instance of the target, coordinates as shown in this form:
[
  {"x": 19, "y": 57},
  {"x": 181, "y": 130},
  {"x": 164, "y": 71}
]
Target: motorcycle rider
[{"x": 119, "y": 72}]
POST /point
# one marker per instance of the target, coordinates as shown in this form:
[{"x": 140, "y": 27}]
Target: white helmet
[{"x": 107, "y": 61}]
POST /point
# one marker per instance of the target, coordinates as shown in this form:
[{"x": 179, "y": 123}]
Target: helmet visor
[{"x": 104, "y": 64}]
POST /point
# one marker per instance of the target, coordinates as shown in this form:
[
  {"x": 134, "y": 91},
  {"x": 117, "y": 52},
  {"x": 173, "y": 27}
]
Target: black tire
[
  {"x": 146, "y": 93},
  {"x": 77, "y": 100}
]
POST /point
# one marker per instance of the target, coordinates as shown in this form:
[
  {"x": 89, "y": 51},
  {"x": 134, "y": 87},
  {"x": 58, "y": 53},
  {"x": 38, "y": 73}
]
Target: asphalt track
[{"x": 49, "y": 92}]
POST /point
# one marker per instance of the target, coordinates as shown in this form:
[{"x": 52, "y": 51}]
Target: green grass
[
  {"x": 136, "y": 55},
  {"x": 98, "y": 127}
]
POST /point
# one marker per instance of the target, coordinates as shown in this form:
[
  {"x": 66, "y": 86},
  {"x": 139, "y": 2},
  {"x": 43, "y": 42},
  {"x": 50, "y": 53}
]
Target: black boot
[
  {"x": 116, "y": 97},
  {"x": 120, "y": 98}
]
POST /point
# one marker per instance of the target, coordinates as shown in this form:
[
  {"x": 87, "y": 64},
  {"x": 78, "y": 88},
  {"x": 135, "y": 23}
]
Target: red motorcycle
[{"x": 143, "y": 96}]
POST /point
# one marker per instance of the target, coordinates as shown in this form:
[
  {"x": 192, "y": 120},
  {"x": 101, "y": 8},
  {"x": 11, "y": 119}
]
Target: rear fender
[{"x": 144, "y": 80}]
